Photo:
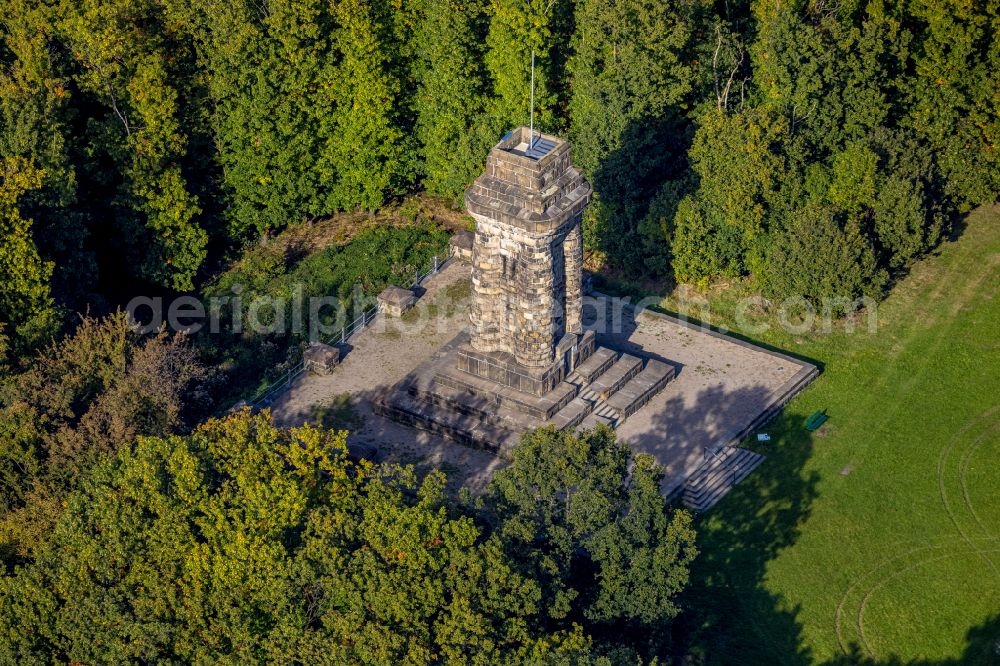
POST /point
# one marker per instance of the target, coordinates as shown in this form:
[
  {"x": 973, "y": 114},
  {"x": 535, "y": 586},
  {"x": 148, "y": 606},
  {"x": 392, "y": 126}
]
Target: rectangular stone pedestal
[
  {"x": 501, "y": 368},
  {"x": 442, "y": 396}
]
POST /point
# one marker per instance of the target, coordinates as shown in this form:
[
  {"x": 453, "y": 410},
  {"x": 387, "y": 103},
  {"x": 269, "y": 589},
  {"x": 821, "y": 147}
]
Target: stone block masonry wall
[
  {"x": 520, "y": 285},
  {"x": 573, "y": 258},
  {"x": 527, "y": 256}
]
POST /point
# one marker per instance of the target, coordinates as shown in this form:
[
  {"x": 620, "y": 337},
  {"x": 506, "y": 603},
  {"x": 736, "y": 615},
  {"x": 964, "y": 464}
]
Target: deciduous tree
[
  {"x": 84, "y": 398},
  {"x": 26, "y": 306},
  {"x": 124, "y": 52},
  {"x": 454, "y": 131},
  {"x": 245, "y": 542},
  {"x": 587, "y": 518}
]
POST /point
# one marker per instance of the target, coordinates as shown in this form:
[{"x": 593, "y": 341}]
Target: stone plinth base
[
  {"x": 461, "y": 245},
  {"x": 441, "y": 396},
  {"x": 501, "y": 368}
]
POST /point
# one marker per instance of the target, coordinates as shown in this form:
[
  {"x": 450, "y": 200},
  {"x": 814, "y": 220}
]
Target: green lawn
[{"x": 879, "y": 536}]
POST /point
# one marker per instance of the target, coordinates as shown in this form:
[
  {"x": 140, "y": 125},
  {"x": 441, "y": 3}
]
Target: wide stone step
[
  {"x": 459, "y": 400},
  {"x": 640, "y": 389},
  {"x": 592, "y": 420},
  {"x": 538, "y": 408},
  {"x": 624, "y": 369},
  {"x": 572, "y": 414},
  {"x": 499, "y": 413},
  {"x": 463, "y": 428},
  {"x": 591, "y": 368}
]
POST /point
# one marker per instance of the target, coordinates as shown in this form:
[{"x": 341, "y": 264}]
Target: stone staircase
[
  {"x": 717, "y": 476},
  {"x": 595, "y": 365},
  {"x": 611, "y": 389}
]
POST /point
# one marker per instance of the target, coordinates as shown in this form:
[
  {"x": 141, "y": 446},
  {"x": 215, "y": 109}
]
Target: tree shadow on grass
[
  {"x": 746, "y": 530},
  {"x": 729, "y": 616},
  {"x": 982, "y": 648}
]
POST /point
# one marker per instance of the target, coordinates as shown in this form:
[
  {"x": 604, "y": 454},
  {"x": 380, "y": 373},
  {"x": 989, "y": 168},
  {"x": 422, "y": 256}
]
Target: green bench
[{"x": 816, "y": 420}]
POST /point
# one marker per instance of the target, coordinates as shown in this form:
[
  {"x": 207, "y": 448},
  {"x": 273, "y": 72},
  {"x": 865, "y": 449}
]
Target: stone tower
[
  {"x": 525, "y": 360},
  {"x": 527, "y": 264}
]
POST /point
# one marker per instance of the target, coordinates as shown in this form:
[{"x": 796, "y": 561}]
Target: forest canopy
[
  {"x": 142, "y": 140},
  {"x": 246, "y": 542},
  {"x": 815, "y": 149}
]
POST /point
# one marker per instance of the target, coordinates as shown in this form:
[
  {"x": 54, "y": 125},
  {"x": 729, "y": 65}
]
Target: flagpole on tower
[{"x": 531, "y": 128}]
